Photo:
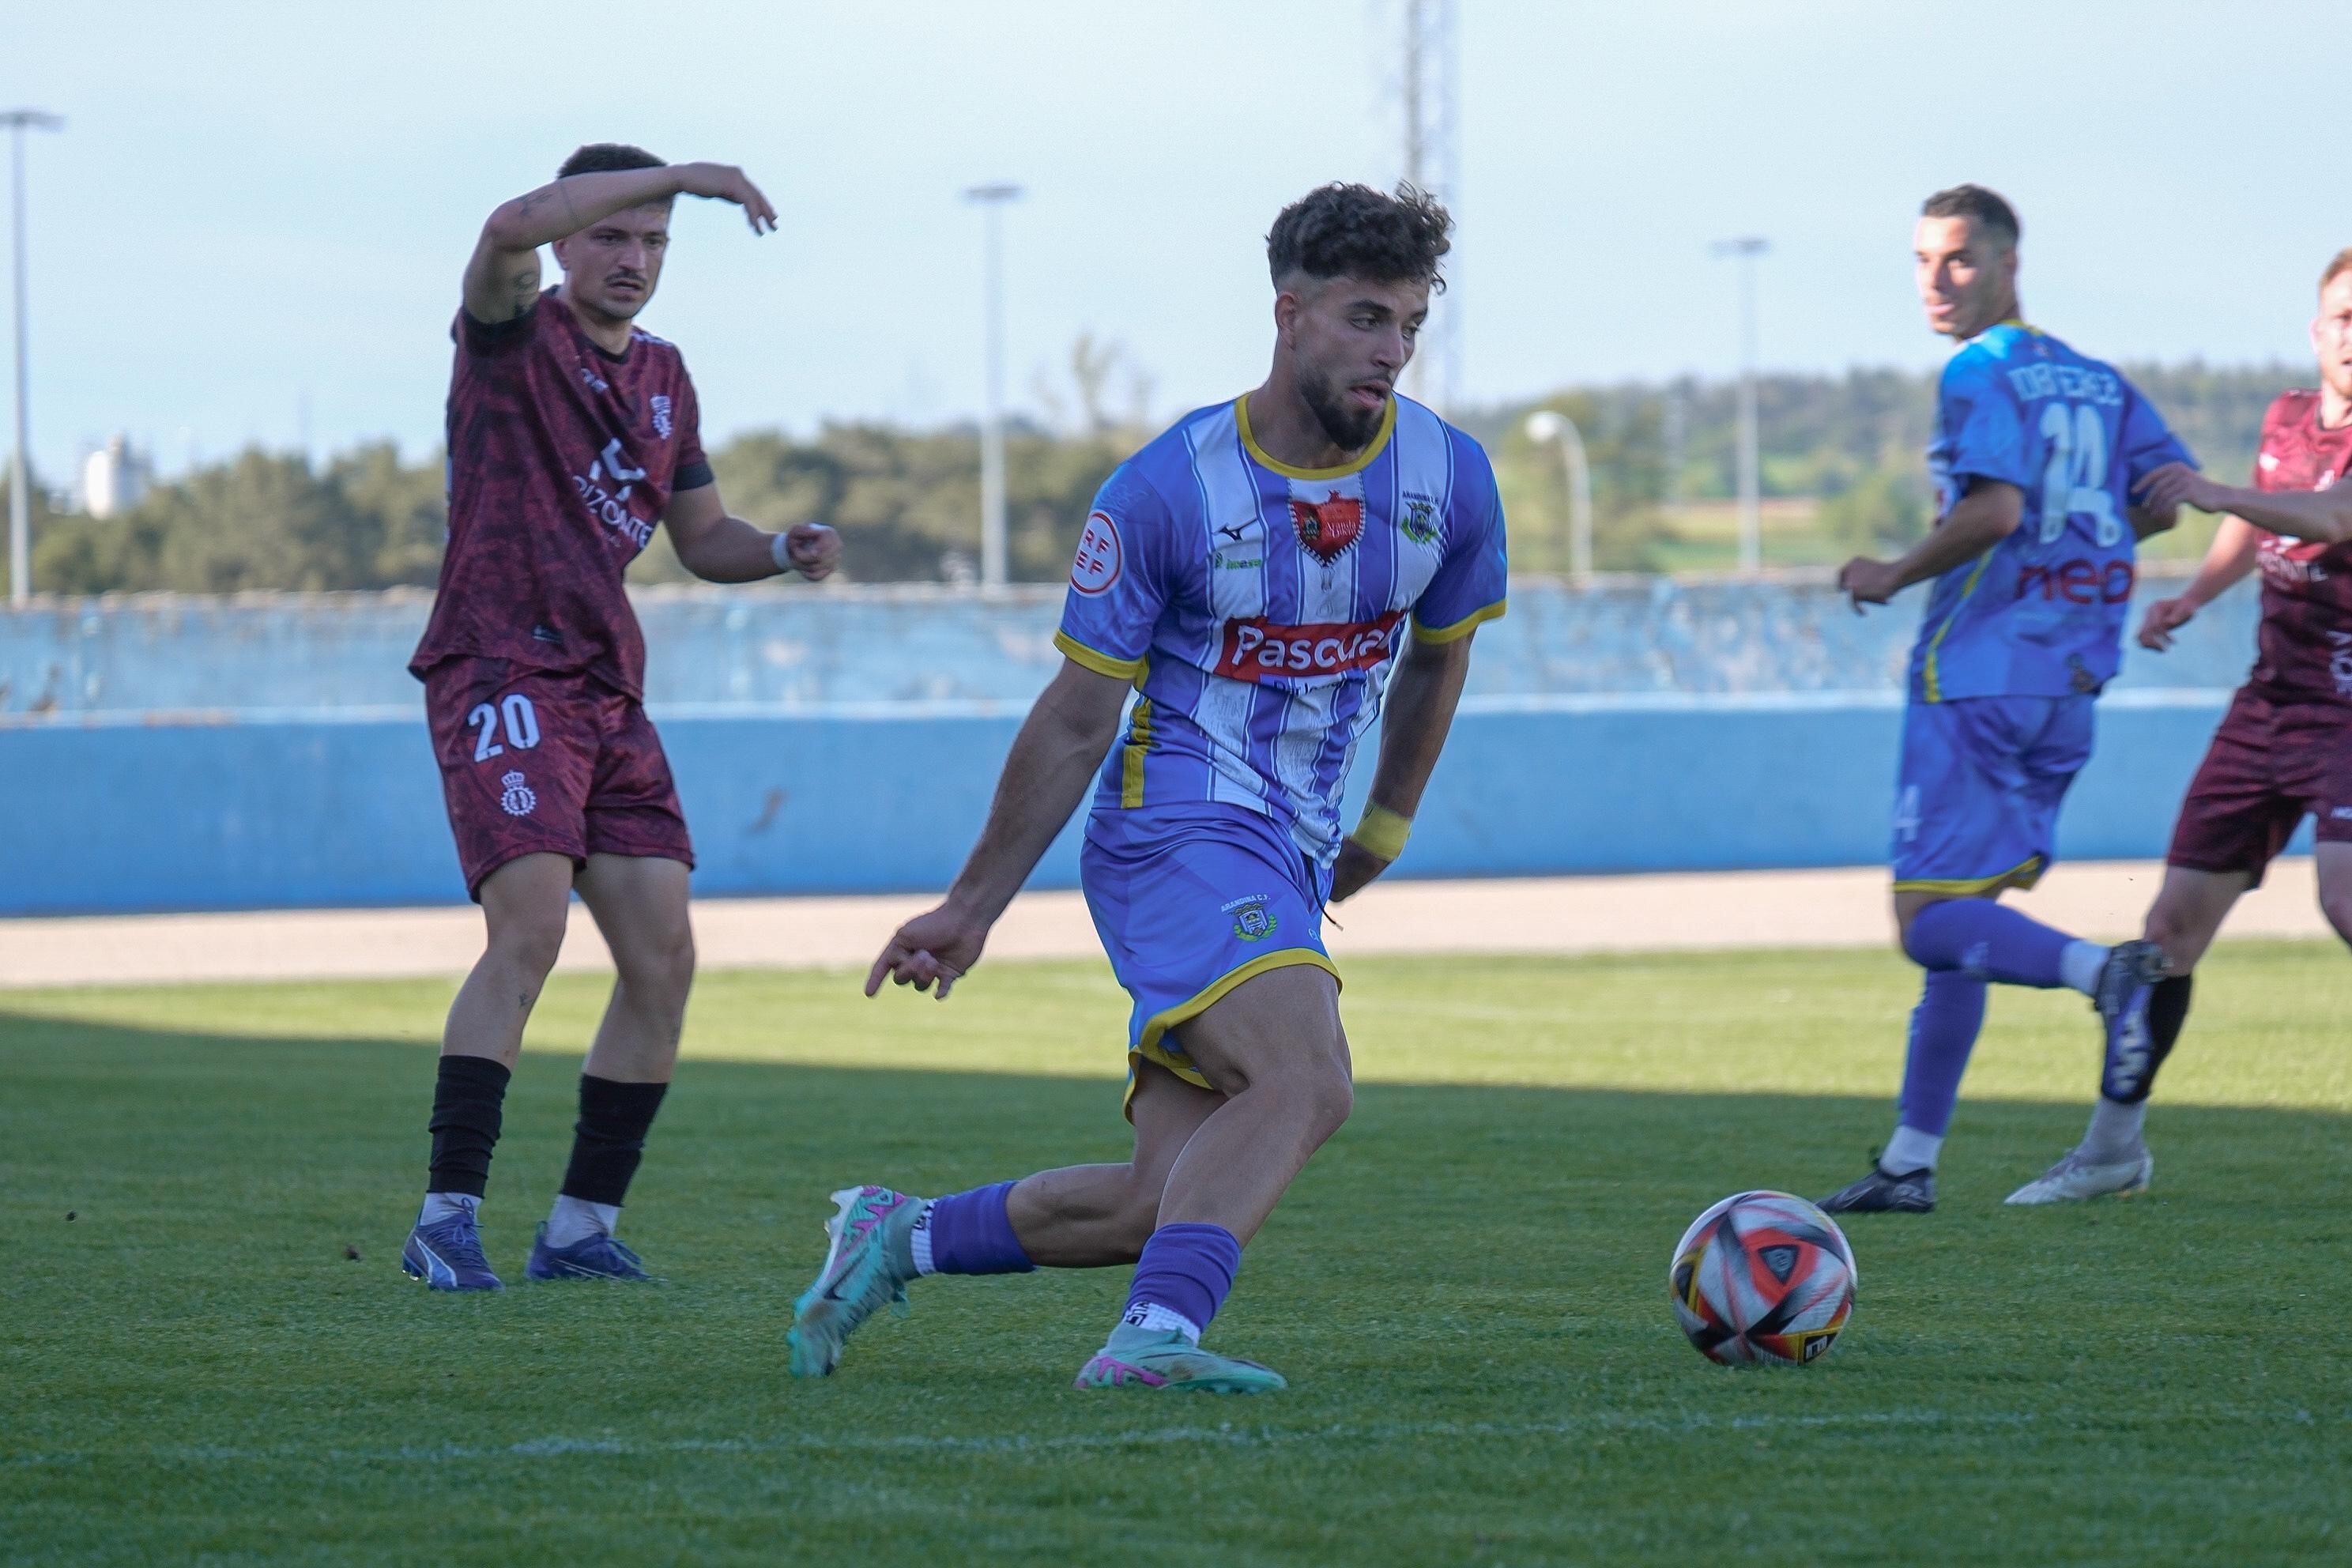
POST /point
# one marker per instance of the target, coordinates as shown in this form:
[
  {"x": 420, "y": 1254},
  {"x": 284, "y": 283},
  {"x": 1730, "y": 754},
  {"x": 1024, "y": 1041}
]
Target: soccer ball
[{"x": 1762, "y": 1278}]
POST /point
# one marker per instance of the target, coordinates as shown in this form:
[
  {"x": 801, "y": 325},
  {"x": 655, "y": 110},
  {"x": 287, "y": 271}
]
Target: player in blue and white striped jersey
[{"x": 1256, "y": 574}]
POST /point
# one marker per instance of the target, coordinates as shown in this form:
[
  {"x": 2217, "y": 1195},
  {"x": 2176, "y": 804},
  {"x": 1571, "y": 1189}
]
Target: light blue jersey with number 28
[{"x": 2042, "y": 613}]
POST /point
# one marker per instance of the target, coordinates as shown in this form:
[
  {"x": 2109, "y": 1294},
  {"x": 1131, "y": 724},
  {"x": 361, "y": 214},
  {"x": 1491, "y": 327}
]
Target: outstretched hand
[
  {"x": 2163, "y": 619},
  {"x": 813, "y": 549},
  {"x": 937, "y": 948},
  {"x": 1867, "y": 581},
  {"x": 726, "y": 182},
  {"x": 2177, "y": 484},
  {"x": 1354, "y": 871}
]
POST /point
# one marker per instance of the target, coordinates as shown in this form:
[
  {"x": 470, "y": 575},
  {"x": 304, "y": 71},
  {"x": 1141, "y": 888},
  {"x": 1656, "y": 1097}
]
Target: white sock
[
  {"x": 2079, "y": 963},
  {"x": 575, "y": 1220},
  {"x": 2115, "y": 1133},
  {"x": 1154, "y": 1319},
  {"x": 918, "y": 1241},
  {"x": 1910, "y": 1150},
  {"x": 439, "y": 1207}
]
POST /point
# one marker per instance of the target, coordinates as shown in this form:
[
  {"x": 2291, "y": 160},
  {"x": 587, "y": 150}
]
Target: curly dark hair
[
  {"x": 604, "y": 157},
  {"x": 1354, "y": 231},
  {"x": 1982, "y": 207}
]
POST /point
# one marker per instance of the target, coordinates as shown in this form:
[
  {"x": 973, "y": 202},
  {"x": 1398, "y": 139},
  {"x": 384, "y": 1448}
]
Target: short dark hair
[
  {"x": 2341, "y": 263},
  {"x": 604, "y": 157},
  {"x": 1982, "y": 207},
  {"x": 1354, "y": 231}
]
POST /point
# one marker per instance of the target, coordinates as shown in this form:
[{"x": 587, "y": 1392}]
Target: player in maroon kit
[
  {"x": 571, "y": 433},
  {"x": 2284, "y": 749}
]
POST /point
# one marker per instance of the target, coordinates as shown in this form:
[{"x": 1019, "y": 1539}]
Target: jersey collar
[{"x": 1363, "y": 459}]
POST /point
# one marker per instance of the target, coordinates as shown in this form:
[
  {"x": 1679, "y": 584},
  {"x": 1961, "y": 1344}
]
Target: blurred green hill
[{"x": 1842, "y": 472}]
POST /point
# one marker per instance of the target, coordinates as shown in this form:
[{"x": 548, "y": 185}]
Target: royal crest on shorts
[
  {"x": 520, "y": 799},
  {"x": 1253, "y": 921},
  {"x": 1326, "y": 527}
]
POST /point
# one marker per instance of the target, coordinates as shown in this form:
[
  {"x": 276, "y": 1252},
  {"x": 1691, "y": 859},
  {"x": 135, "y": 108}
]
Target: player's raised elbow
[{"x": 508, "y": 230}]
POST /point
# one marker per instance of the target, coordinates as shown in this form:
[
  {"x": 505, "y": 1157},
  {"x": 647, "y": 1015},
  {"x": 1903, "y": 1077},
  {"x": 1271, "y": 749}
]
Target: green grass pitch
[{"x": 1466, "y": 1289}]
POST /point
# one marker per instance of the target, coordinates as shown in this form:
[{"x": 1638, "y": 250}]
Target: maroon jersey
[
  {"x": 2305, "y": 640},
  {"x": 562, "y": 457}
]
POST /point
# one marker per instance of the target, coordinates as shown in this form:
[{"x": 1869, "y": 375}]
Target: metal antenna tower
[{"x": 1433, "y": 162}]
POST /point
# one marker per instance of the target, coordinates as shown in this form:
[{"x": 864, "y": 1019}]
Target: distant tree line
[{"x": 908, "y": 501}]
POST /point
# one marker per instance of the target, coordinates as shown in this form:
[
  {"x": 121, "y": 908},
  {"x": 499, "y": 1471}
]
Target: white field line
[{"x": 1661, "y": 912}]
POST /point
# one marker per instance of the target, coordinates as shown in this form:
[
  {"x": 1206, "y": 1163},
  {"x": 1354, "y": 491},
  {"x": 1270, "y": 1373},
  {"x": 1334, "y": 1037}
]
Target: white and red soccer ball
[{"x": 1762, "y": 1278}]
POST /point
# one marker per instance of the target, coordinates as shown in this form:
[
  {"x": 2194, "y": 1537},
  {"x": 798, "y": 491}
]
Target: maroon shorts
[
  {"x": 533, "y": 762},
  {"x": 2270, "y": 762}
]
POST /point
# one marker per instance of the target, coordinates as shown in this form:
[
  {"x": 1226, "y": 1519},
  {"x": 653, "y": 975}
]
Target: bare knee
[
  {"x": 660, "y": 969},
  {"x": 526, "y": 940},
  {"x": 2337, "y": 908},
  {"x": 1322, "y": 1096}
]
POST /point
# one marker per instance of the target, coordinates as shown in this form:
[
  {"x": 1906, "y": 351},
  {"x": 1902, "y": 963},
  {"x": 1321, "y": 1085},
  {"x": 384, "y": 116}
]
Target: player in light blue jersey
[
  {"x": 1265, "y": 578},
  {"x": 2037, "y": 454}
]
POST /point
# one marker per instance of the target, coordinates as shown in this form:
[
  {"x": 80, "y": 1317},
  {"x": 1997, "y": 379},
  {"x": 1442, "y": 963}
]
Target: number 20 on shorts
[{"x": 521, "y": 726}]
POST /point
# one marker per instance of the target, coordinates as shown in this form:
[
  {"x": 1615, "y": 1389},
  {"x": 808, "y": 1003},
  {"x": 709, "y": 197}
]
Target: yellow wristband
[{"x": 1382, "y": 832}]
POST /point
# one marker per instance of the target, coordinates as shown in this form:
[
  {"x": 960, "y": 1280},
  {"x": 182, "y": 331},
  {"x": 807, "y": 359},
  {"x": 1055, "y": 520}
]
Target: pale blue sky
[{"x": 255, "y": 203}]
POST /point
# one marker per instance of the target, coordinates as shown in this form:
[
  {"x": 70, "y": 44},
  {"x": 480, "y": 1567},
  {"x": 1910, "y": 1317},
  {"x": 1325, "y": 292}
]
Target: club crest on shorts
[
  {"x": 520, "y": 799},
  {"x": 1326, "y": 527},
  {"x": 1253, "y": 921}
]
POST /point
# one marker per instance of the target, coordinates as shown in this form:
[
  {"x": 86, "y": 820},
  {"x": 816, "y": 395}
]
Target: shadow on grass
[{"x": 1467, "y": 1286}]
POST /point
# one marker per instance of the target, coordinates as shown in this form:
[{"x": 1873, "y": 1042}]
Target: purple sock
[
  {"x": 1185, "y": 1269},
  {"x": 1943, "y": 1032},
  {"x": 970, "y": 1233},
  {"x": 1980, "y": 939}
]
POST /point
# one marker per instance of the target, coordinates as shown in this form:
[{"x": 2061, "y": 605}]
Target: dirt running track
[{"x": 1844, "y": 908}]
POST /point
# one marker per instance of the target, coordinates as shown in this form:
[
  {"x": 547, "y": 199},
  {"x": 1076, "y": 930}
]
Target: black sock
[
  {"x": 467, "y": 1101},
  {"x": 609, "y": 1139}
]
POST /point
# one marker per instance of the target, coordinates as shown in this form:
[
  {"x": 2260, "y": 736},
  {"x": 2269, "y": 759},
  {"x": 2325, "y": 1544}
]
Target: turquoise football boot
[
  {"x": 1140, "y": 1358},
  {"x": 866, "y": 1265}
]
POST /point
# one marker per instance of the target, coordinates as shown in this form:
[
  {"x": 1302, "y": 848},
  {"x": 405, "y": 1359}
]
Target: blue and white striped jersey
[{"x": 1258, "y": 608}]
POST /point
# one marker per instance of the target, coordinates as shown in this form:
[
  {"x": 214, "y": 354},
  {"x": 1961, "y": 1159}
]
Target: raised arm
[
  {"x": 1981, "y": 519},
  {"x": 503, "y": 279},
  {"x": 1422, "y": 697},
  {"x": 1060, "y": 745},
  {"x": 2323, "y": 515},
  {"x": 720, "y": 547}
]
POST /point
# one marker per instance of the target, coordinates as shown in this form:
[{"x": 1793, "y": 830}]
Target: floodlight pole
[
  {"x": 1751, "y": 524},
  {"x": 992, "y": 200},
  {"x": 1551, "y": 424},
  {"x": 20, "y": 508}
]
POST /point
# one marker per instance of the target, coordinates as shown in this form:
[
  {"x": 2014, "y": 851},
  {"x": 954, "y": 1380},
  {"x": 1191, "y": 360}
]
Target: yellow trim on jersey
[
  {"x": 1363, "y": 459},
  {"x": 1423, "y": 632},
  {"x": 1138, "y": 746},
  {"x": 1153, "y": 1051},
  {"x": 1099, "y": 662},
  {"x": 1931, "y": 674},
  {"x": 2025, "y": 874}
]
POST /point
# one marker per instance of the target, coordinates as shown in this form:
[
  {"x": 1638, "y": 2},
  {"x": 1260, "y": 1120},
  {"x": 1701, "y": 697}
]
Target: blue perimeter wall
[{"x": 163, "y": 754}]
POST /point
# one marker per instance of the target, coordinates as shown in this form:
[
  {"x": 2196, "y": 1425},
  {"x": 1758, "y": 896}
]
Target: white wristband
[{"x": 780, "y": 551}]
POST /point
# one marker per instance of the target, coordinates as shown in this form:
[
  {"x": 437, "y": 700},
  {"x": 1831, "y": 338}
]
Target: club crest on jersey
[
  {"x": 1253, "y": 921},
  {"x": 520, "y": 799},
  {"x": 1326, "y": 527},
  {"x": 1420, "y": 523}
]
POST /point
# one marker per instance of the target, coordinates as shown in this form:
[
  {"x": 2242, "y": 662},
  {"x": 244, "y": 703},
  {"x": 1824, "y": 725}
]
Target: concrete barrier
[{"x": 208, "y": 754}]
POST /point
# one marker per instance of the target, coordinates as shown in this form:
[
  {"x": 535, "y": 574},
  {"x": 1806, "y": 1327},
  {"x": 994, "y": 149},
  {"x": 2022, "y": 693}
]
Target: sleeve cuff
[
  {"x": 690, "y": 477},
  {"x": 1099, "y": 662},
  {"x": 1424, "y": 632}
]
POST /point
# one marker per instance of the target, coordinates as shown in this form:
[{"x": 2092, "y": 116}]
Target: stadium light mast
[
  {"x": 992, "y": 200},
  {"x": 1751, "y": 524},
  {"x": 1551, "y": 424},
  {"x": 20, "y": 506},
  {"x": 1432, "y": 163}
]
